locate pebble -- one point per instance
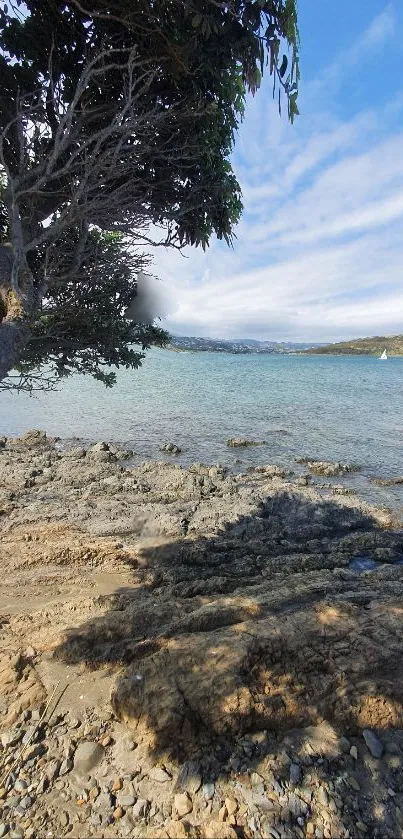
(322, 796)
(353, 783)
(64, 818)
(183, 804)
(25, 802)
(20, 785)
(345, 745)
(354, 752)
(231, 806)
(140, 808)
(373, 743)
(117, 785)
(125, 800)
(295, 773)
(66, 766)
(159, 775)
(3, 792)
(52, 770)
(118, 813)
(208, 791)
(11, 737)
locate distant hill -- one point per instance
(362, 346)
(242, 346)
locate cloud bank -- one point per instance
(319, 249)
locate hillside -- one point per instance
(362, 346)
(242, 346)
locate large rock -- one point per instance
(87, 756)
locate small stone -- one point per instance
(344, 745)
(118, 813)
(322, 796)
(26, 802)
(88, 754)
(373, 743)
(3, 792)
(189, 778)
(295, 773)
(391, 792)
(93, 793)
(52, 770)
(208, 791)
(231, 806)
(353, 783)
(3, 829)
(117, 785)
(20, 785)
(66, 766)
(11, 737)
(354, 752)
(222, 813)
(106, 741)
(159, 775)
(140, 808)
(125, 799)
(361, 826)
(183, 804)
(64, 818)
(310, 829)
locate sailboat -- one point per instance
(384, 356)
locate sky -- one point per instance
(319, 249)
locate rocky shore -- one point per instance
(190, 653)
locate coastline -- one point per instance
(215, 621)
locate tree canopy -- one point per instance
(118, 119)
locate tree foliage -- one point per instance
(119, 117)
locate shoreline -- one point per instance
(215, 640)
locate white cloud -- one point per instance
(320, 246)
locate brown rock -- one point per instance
(182, 804)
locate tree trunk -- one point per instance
(14, 311)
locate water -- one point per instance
(332, 408)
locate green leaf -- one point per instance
(284, 65)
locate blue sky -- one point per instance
(319, 249)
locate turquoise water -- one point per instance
(332, 408)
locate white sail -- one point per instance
(384, 356)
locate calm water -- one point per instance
(333, 408)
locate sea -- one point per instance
(337, 408)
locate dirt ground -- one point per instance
(211, 618)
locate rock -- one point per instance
(87, 755)
(52, 770)
(170, 448)
(66, 766)
(20, 785)
(159, 775)
(231, 806)
(182, 804)
(117, 784)
(11, 737)
(34, 437)
(208, 791)
(354, 752)
(322, 796)
(125, 799)
(25, 802)
(373, 743)
(353, 783)
(64, 818)
(140, 808)
(118, 813)
(189, 778)
(3, 829)
(241, 442)
(345, 745)
(295, 773)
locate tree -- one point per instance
(124, 122)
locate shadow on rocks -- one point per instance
(258, 657)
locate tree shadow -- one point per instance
(258, 647)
